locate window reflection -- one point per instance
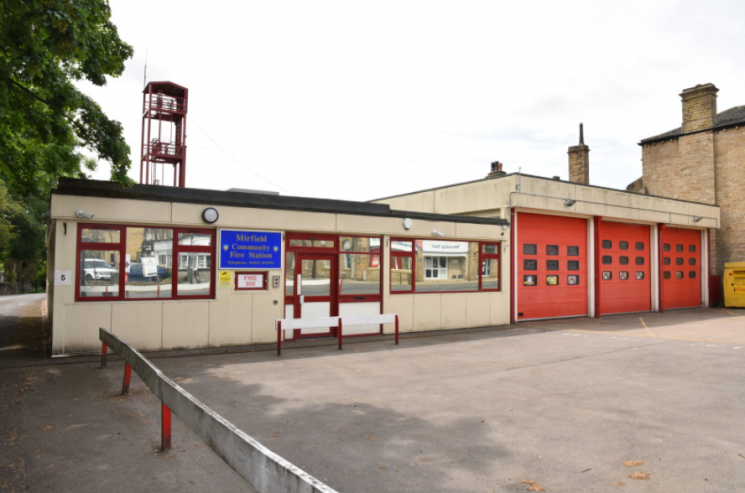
(359, 274)
(194, 277)
(99, 273)
(447, 266)
(148, 263)
(401, 274)
(490, 274)
(195, 239)
(290, 274)
(100, 235)
(352, 244)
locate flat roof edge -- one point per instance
(158, 193)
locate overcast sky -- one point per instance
(361, 100)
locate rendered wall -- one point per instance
(244, 317)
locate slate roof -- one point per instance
(733, 116)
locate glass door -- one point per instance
(317, 291)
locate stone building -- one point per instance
(703, 161)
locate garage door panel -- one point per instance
(552, 266)
(681, 267)
(625, 268)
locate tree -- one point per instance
(45, 121)
(45, 46)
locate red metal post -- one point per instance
(340, 326)
(165, 429)
(127, 377)
(104, 352)
(397, 330)
(513, 274)
(661, 291)
(279, 338)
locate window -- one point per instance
(529, 249)
(639, 275)
(639, 246)
(552, 265)
(666, 260)
(359, 270)
(692, 248)
(573, 251)
(691, 261)
(312, 242)
(623, 275)
(552, 280)
(623, 245)
(441, 266)
(666, 247)
(289, 273)
(639, 260)
(607, 259)
(529, 280)
(327, 264)
(679, 274)
(691, 274)
(552, 249)
(573, 265)
(573, 280)
(607, 275)
(678, 261)
(136, 263)
(678, 248)
(530, 264)
(666, 274)
(623, 260)
(607, 244)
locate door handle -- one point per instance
(302, 300)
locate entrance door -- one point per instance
(317, 292)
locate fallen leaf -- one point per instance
(170, 456)
(621, 483)
(145, 423)
(639, 475)
(372, 439)
(527, 481)
(142, 415)
(383, 467)
(535, 487)
(47, 428)
(633, 463)
(192, 482)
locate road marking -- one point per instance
(731, 313)
(645, 326)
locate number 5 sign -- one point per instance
(63, 278)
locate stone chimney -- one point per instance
(579, 160)
(699, 107)
(496, 170)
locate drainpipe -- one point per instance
(598, 268)
(660, 230)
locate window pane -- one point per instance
(99, 274)
(194, 274)
(607, 259)
(639, 275)
(678, 248)
(607, 275)
(573, 251)
(490, 274)
(195, 239)
(623, 245)
(312, 243)
(352, 244)
(529, 249)
(529, 280)
(692, 248)
(639, 246)
(552, 280)
(623, 275)
(401, 246)
(679, 274)
(639, 261)
(666, 274)
(289, 273)
(315, 277)
(678, 261)
(666, 247)
(666, 260)
(400, 273)
(552, 249)
(359, 274)
(552, 265)
(573, 280)
(691, 261)
(455, 266)
(148, 263)
(573, 265)
(530, 264)
(491, 248)
(623, 260)
(691, 274)
(89, 235)
(607, 244)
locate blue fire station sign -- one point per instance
(250, 249)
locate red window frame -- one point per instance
(346, 298)
(413, 256)
(121, 248)
(263, 284)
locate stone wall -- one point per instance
(729, 146)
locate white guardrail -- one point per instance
(321, 322)
(264, 470)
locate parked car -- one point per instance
(136, 273)
(97, 269)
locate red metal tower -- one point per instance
(164, 106)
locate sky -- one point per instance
(361, 100)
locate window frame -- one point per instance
(414, 265)
(121, 248)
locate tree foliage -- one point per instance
(46, 46)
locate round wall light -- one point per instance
(210, 215)
(408, 223)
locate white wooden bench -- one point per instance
(320, 322)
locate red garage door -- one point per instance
(681, 268)
(625, 281)
(552, 266)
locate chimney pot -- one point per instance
(496, 170)
(699, 107)
(579, 160)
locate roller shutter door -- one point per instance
(625, 280)
(681, 268)
(552, 266)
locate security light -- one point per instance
(437, 233)
(408, 223)
(697, 219)
(569, 202)
(210, 215)
(84, 214)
